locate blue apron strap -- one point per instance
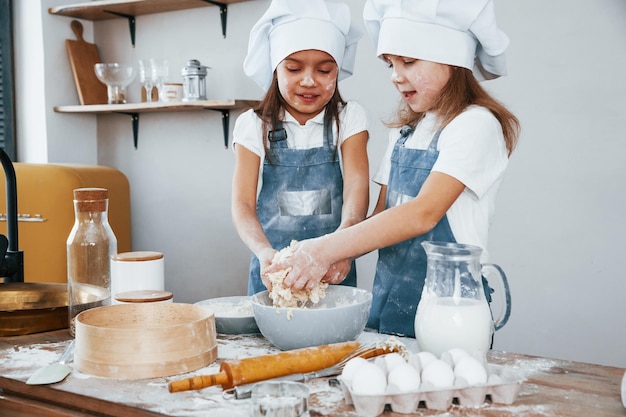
(277, 136)
(329, 142)
(405, 133)
(433, 143)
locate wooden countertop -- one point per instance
(551, 387)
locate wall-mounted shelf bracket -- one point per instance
(225, 120)
(134, 109)
(135, 120)
(131, 23)
(223, 14)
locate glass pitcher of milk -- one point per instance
(453, 311)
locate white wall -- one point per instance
(43, 79)
(560, 224)
(560, 212)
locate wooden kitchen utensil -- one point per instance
(259, 368)
(83, 56)
(366, 352)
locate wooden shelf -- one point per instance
(129, 9)
(158, 106)
(106, 9)
(134, 109)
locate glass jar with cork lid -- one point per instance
(90, 246)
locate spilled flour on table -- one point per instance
(530, 367)
(525, 410)
(25, 359)
(326, 399)
(244, 347)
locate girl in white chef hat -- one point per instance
(301, 166)
(447, 153)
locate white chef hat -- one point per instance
(462, 33)
(289, 26)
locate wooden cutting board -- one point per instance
(83, 56)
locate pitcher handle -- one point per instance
(499, 323)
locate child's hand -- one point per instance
(307, 269)
(337, 272)
(265, 260)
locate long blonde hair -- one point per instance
(463, 90)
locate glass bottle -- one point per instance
(90, 246)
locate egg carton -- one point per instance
(504, 392)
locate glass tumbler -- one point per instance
(146, 80)
(280, 399)
(160, 74)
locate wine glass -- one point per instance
(160, 73)
(146, 80)
(116, 77)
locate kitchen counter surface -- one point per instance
(551, 387)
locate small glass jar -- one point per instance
(90, 245)
(280, 398)
(194, 81)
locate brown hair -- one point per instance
(463, 90)
(271, 109)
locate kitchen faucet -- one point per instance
(11, 258)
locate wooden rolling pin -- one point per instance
(260, 368)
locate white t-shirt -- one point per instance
(249, 129)
(472, 150)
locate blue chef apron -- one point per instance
(401, 268)
(301, 196)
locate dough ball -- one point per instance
(284, 297)
(369, 379)
(438, 374)
(403, 378)
(351, 367)
(471, 370)
(453, 356)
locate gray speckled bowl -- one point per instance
(339, 317)
(233, 315)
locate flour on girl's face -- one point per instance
(426, 85)
(418, 81)
(307, 81)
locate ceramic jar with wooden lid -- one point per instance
(137, 271)
(144, 296)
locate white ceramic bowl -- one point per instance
(233, 315)
(339, 317)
